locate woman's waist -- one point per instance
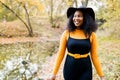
(78, 51)
(78, 55)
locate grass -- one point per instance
(108, 52)
(38, 50)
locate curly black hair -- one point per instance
(89, 24)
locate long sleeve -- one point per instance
(94, 55)
(61, 52)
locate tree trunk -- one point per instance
(51, 13)
(71, 3)
(27, 26)
(84, 2)
(76, 4)
(29, 23)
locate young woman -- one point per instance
(80, 40)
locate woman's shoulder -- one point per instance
(93, 35)
(66, 32)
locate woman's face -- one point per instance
(78, 19)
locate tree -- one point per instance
(76, 3)
(109, 10)
(113, 7)
(51, 13)
(29, 24)
(24, 5)
(70, 2)
(54, 10)
(84, 2)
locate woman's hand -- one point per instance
(52, 77)
(102, 78)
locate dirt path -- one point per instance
(47, 68)
(19, 39)
(25, 39)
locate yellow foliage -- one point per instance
(2, 1)
(69, 2)
(36, 6)
(22, 1)
(32, 2)
(112, 9)
(1, 9)
(36, 3)
(113, 4)
(40, 7)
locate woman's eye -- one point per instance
(78, 16)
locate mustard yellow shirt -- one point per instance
(78, 34)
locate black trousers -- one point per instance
(77, 69)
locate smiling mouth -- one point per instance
(77, 22)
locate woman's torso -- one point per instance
(78, 43)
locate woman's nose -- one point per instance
(76, 17)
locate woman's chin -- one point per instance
(77, 25)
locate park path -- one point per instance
(47, 68)
(19, 39)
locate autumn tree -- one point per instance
(54, 10)
(84, 2)
(110, 9)
(76, 3)
(26, 5)
(70, 2)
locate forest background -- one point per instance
(30, 31)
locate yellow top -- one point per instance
(78, 34)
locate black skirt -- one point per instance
(77, 69)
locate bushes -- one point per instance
(112, 28)
(7, 15)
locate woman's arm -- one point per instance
(61, 52)
(94, 55)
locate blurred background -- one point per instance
(30, 31)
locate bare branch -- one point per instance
(28, 20)
(16, 15)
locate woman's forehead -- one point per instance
(78, 12)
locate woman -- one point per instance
(81, 44)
